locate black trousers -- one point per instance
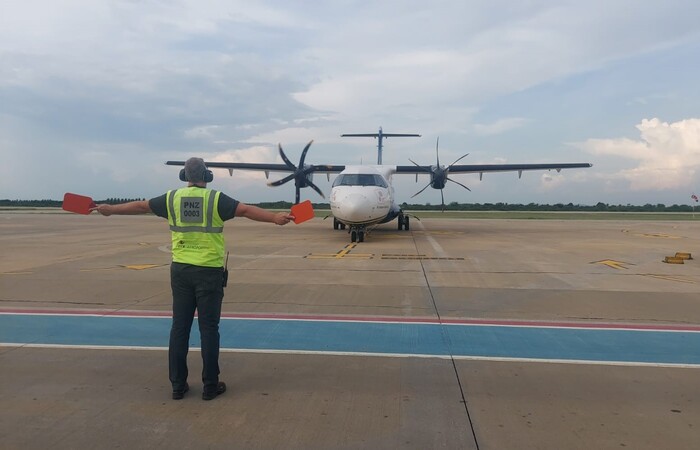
(195, 288)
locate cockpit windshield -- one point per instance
(359, 179)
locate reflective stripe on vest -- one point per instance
(196, 227)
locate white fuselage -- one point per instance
(363, 195)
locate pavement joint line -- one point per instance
(446, 336)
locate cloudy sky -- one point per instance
(96, 96)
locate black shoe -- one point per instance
(179, 394)
(210, 395)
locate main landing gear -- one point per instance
(358, 232)
(403, 222)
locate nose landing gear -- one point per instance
(357, 234)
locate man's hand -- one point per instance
(283, 218)
(104, 209)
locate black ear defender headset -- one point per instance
(208, 176)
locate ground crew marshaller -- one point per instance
(196, 216)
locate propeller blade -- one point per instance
(299, 174)
(442, 197)
(457, 182)
(282, 180)
(426, 187)
(315, 188)
(437, 153)
(303, 153)
(418, 165)
(284, 157)
(457, 160)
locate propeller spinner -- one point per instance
(300, 175)
(438, 175)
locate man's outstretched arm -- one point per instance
(137, 207)
(262, 215)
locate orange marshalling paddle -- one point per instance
(302, 211)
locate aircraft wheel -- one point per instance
(400, 219)
(405, 223)
(342, 226)
(360, 236)
(336, 224)
(353, 236)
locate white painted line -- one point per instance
(107, 314)
(83, 347)
(438, 249)
(363, 354)
(579, 361)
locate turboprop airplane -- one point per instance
(362, 196)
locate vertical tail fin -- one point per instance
(380, 136)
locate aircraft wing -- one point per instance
(482, 168)
(301, 175)
(264, 167)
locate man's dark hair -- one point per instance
(195, 169)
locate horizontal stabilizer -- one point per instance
(374, 135)
(379, 136)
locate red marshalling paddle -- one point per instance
(77, 203)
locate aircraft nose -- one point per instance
(357, 208)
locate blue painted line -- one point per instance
(84, 330)
(492, 341)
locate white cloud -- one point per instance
(84, 84)
(243, 178)
(108, 163)
(667, 156)
(499, 126)
(255, 153)
(206, 132)
(551, 182)
(464, 53)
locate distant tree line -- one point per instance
(600, 206)
(454, 206)
(59, 203)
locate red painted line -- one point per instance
(85, 312)
(331, 318)
(383, 319)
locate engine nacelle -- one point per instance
(305, 181)
(438, 177)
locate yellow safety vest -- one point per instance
(197, 229)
